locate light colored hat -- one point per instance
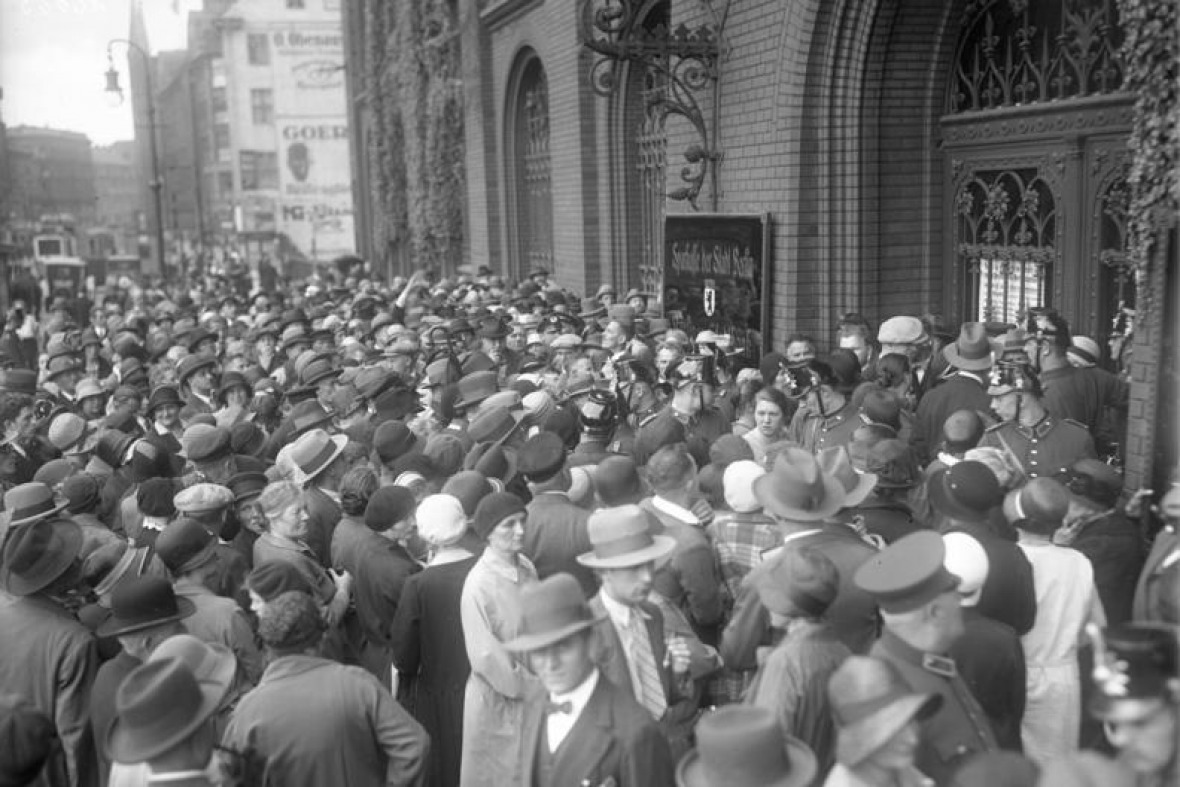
(441, 520)
(314, 451)
(1083, 352)
(966, 559)
(202, 497)
(902, 330)
(538, 406)
(738, 482)
(871, 703)
(622, 538)
(67, 432)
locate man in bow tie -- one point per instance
(582, 729)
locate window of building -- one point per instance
(262, 106)
(221, 136)
(218, 100)
(295, 4)
(257, 49)
(260, 170)
(533, 203)
(225, 183)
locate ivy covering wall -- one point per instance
(415, 99)
(1151, 54)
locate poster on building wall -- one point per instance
(309, 71)
(315, 190)
(717, 276)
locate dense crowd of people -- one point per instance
(474, 532)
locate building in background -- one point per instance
(51, 183)
(255, 153)
(120, 216)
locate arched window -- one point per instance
(531, 209)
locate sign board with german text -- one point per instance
(717, 276)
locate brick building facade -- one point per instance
(965, 159)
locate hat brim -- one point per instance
(57, 507)
(945, 504)
(661, 546)
(319, 378)
(865, 484)
(834, 499)
(955, 359)
(690, 772)
(527, 643)
(113, 627)
(123, 745)
(465, 403)
(198, 367)
(63, 558)
(340, 441)
(856, 742)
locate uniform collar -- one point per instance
(1039, 429)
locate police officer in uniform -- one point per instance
(827, 417)
(1041, 444)
(693, 387)
(920, 608)
(599, 417)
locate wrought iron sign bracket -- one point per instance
(687, 60)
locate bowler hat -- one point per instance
(550, 611)
(744, 746)
(966, 492)
(622, 538)
(541, 457)
(871, 702)
(190, 364)
(30, 503)
(836, 463)
(972, 351)
(392, 440)
(908, 573)
(163, 395)
(143, 602)
(313, 452)
(185, 545)
(475, 387)
(493, 510)
(796, 488)
(157, 707)
(617, 481)
(37, 554)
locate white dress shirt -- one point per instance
(558, 725)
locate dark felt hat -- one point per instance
(246, 437)
(154, 497)
(388, 506)
(475, 387)
(27, 739)
(190, 364)
(494, 424)
(163, 395)
(159, 705)
(20, 381)
(541, 457)
(393, 439)
(493, 460)
(142, 602)
(494, 509)
(468, 487)
(271, 580)
(617, 481)
(966, 492)
(37, 554)
(185, 545)
(209, 445)
(247, 485)
(82, 492)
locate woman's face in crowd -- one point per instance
(92, 407)
(237, 397)
(769, 418)
(507, 538)
(167, 415)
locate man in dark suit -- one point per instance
(633, 649)
(582, 729)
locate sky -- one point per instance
(53, 61)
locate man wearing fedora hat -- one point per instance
(877, 716)
(195, 376)
(320, 465)
(165, 719)
(582, 729)
(144, 612)
(1135, 693)
(44, 651)
(922, 618)
(743, 746)
(632, 650)
(963, 388)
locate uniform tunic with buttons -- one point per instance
(1049, 448)
(815, 432)
(960, 728)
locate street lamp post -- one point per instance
(156, 183)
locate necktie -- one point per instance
(650, 691)
(559, 707)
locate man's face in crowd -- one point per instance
(493, 348)
(563, 666)
(1006, 406)
(628, 585)
(665, 358)
(92, 407)
(324, 344)
(799, 352)
(1145, 733)
(613, 336)
(201, 380)
(856, 342)
(516, 340)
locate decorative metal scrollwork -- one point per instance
(1015, 53)
(686, 58)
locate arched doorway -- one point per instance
(529, 171)
(1034, 134)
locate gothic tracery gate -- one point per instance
(1034, 137)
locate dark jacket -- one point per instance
(554, 535)
(1008, 594)
(614, 741)
(960, 391)
(990, 659)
